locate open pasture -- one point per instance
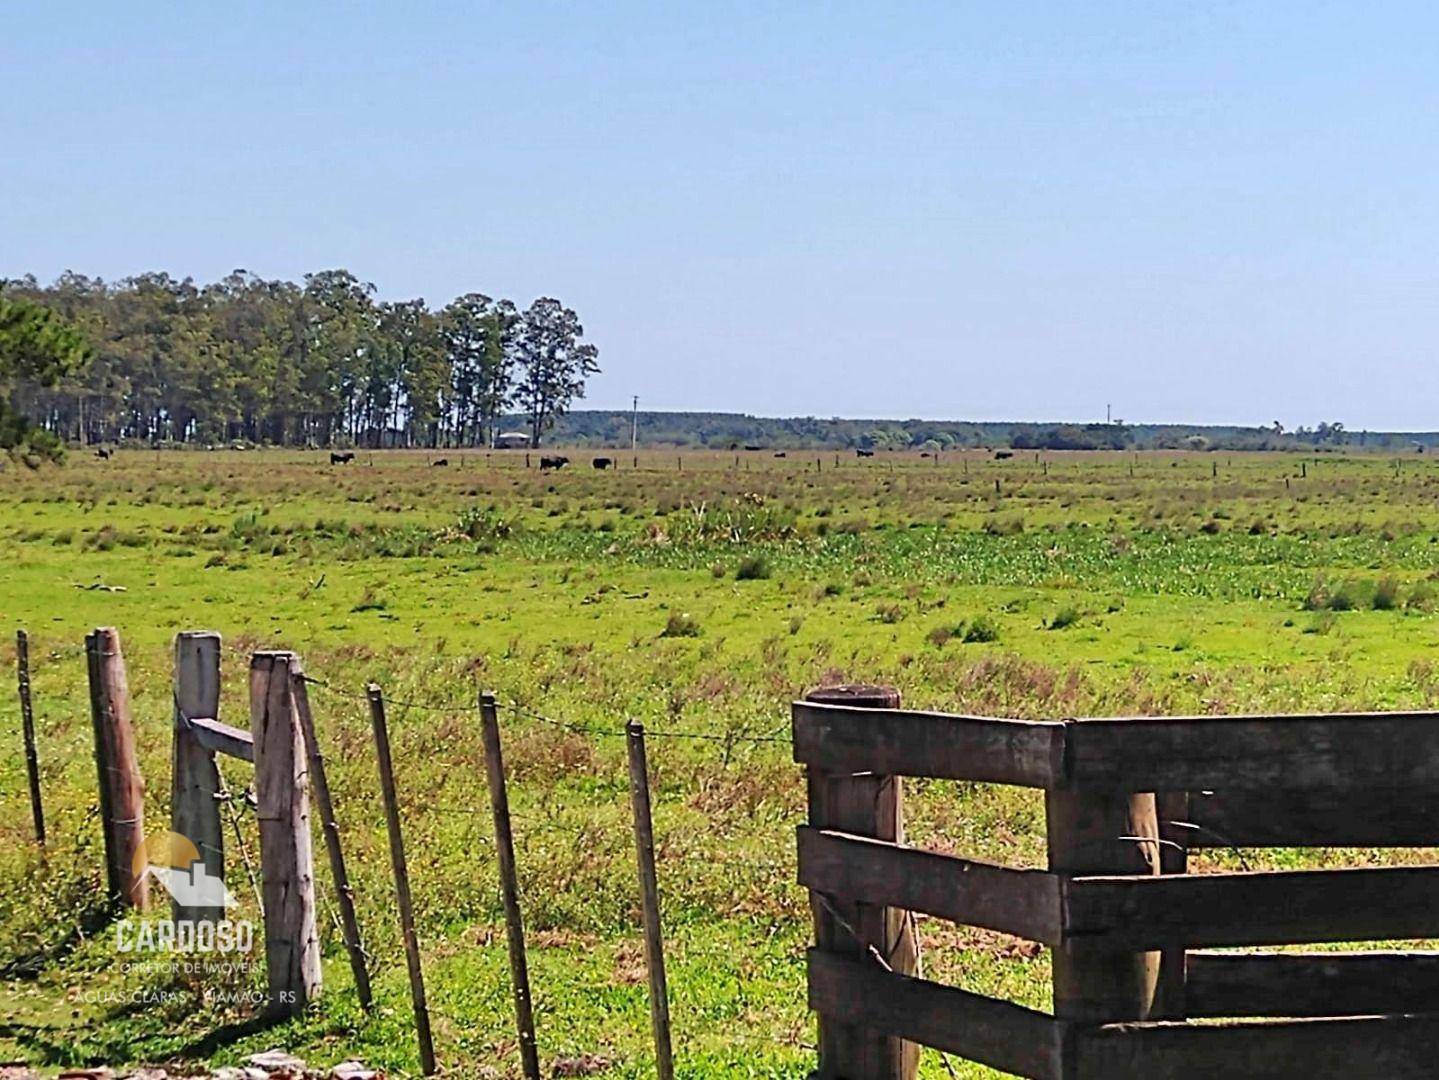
(698, 593)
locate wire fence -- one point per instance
(235, 802)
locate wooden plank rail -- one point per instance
(1264, 753)
(844, 739)
(1309, 984)
(1020, 902)
(1271, 908)
(222, 738)
(1367, 817)
(995, 1033)
(1355, 1048)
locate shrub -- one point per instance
(939, 636)
(753, 568)
(1010, 525)
(889, 613)
(681, 624)
(1064, 618)
(1386, 594)
(1343, 599)
(483, 524)
(981, 629)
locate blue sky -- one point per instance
(1196, 212)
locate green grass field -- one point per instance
(699, 594)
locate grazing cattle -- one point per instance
(779, 453)
(1002, 454)
(751, 446)
(103, 454)
(864, 453)
(439, 463)
(341, 459)
(602, 462)
(553, 463)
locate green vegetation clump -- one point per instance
(1064, 618)
(681, 625)
(753, 568)
(981, 629)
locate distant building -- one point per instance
(512, 440)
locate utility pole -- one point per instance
(1107, 419)
(635, 424)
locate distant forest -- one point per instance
(319, 363)
(165, 361)
(725, 430)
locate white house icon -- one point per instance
(195, 887)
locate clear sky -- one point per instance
(1196, 212)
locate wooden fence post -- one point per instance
(865, 805)
(195, 783)
(122, 791)
(509, 887)
(282, 794)
(27, 719)
(344, 895)
(650, 898)
(402, 878)
(1096, 833)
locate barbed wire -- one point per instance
(650, 733)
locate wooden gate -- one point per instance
(1128, 927)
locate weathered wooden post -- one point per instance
(122, 791)
(1103, 832)
(402, 878)
(282, 793)
(650, 898)
(872, 805)
(195, 783)
(344, 895)
(27, 720)
(509, 887)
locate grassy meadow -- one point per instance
(700, 594)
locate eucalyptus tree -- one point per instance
(553, 363)
(314, 363)
(479, 337)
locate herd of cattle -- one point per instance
(547, 463)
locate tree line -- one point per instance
(319, 363)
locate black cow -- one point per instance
(439, 463)
(553, 463)
(864, 453)
(103, 454)
(779, 453)
(602, 462)
(341, 459)
(1002, 455)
